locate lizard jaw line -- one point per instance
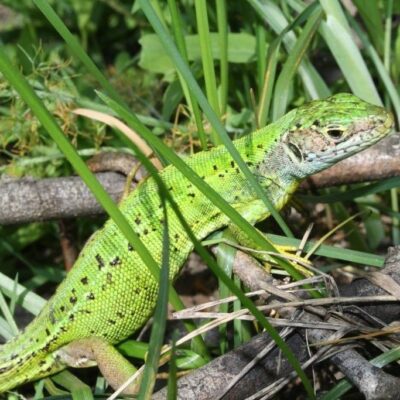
(331, 156)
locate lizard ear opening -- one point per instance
(295, 151)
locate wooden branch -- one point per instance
(29, 200)
(211, 380)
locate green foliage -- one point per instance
(153, 57)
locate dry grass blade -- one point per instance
(253, 362)
(297, 303)
(387, 330)
(225, 300)
(274, 388)
(384, 281)
(125, 129)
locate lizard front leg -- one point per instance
(251, 212)
(93, 351)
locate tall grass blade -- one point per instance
(212, 117)
(223, 45)
(291, 65)
(272, 61)
(17, 80)
(371, 15)
(160, 314)
(270, 12)
(337, 35)
(207, 58)
(176, 23)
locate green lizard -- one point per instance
(110, 293)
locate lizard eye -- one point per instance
(335, 133)
(296, 151)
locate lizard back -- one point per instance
(110, 293)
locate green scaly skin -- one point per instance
(110, 293)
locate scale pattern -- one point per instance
(110, 293)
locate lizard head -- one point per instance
(323, 132)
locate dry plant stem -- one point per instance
(249, 271)
(371, 381)
(209, 381)
(26, 200)
(275, 387)
(283, 334)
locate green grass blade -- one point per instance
(355, 238)
(7, 314)
(347, 255)
(269, 80)
(337, 35)
(5, 331)
(207, 58)
(354, 193)
(354, 256)
(212, 117)
(383, 73)
(29, 301)
(291, 65)
(223, 45)
(261, 56)
(338, 391)
(78, 389)
(176, 23)
(270, 12)
(273, 57)
(17, 80)
(388, 35)
(372, 17)
(160, 314)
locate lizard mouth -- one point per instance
(372, 131)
